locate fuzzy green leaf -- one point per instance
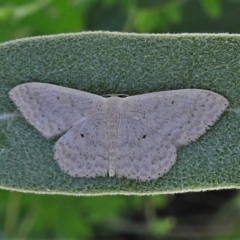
(104, 62)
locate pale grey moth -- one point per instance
(134, 137)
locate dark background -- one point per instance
(203, 215)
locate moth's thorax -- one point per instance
(114, 106)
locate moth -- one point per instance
(135, 137)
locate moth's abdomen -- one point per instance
(113, 116)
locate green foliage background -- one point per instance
(39, 216)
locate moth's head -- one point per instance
(115, 95)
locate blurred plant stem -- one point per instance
(132, 10)
(149, 211)
(12, 213)
(16, 226)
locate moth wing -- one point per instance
(181, 115)
(52, 109)
(83, 150)
(142, 152)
